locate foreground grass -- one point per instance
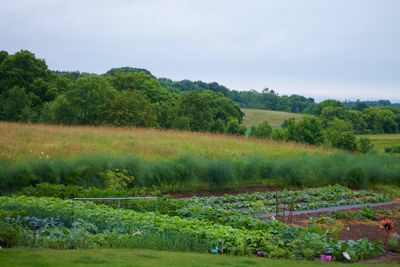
(381, 141)
(274, 118)
(130, 257)
(31, 141)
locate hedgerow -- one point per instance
(189, 172)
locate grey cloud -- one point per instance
(341, 49)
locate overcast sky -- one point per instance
(339, 49)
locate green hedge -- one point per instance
(187, 172)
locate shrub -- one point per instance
(279, 134)
(9, 234)
(219, 173)
(392, 149)
(235, 128)
(355, 178)
(365, 145)
(261, 130)
(342, 140)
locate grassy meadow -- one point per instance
(381, 141)
(274, 118)
(33, 141)
(138, 257)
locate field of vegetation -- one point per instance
(382, 141)
(67, 135)
(32, 141)
(254, 117)
(228, 224)
(174, 160)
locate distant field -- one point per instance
(274, 118)
(381, 141)
(25, 141)
(138, 257)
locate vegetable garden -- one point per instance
(228, 224)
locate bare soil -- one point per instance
(363, 229)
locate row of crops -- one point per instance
(245, 210)
(229, 222)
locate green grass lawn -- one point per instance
(274, 118)
(381, 141)
(134, 257)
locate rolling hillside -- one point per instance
(274, 118)
(24, 141)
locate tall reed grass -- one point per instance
(191, 172)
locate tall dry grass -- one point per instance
(33, 141)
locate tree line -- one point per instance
(335, 125)
(266, 99)
(30, 92)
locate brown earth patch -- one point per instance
(363, 229)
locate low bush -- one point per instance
(392, 149)
(394, 243)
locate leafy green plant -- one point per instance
(394, 243)
(366, 213)
(9, 234)
(83, 224)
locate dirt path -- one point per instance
(335, 208)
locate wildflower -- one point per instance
(387, 226)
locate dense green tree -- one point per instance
(342, 140)
(360, 106)
(25, 84)
(209, 111)
(308, 130)
(140, 81)
(223, 108)
(280, 134)
(18, 105)
(317, 109)
(114, 71)
(165, 103)
(329, 113)
(267, 99)
(357, 120)
(131, 108)
(86, 102)
(24, 70)
(197, 107)
(218, 126)
(58, 111)
(339, 125)
(181, 123)
(3, 55)
(235, 128)
(261, 130)
(167, 110)
(380, 120)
